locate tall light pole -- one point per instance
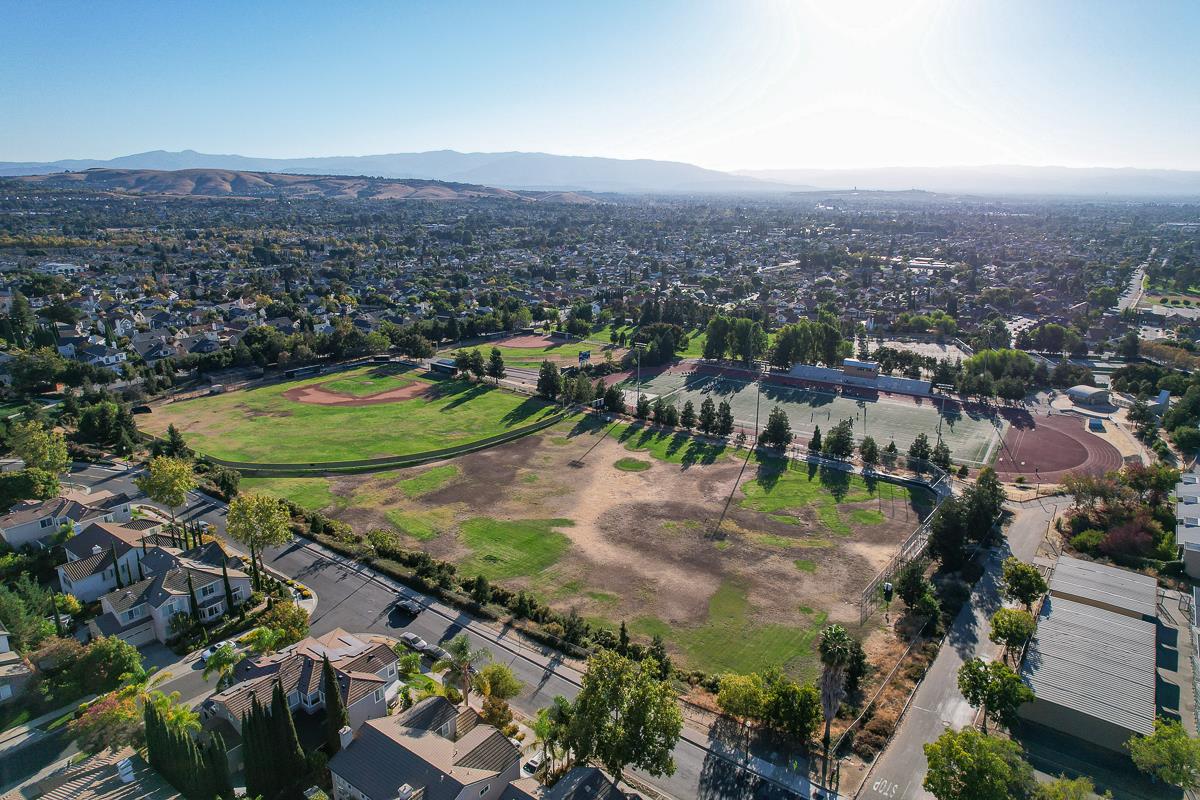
(637, 349)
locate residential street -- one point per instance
(900, 769)
(358, 600)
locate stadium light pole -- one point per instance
(637, 348)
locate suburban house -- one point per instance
(142, 611)
(432, 751)
(14, 672)
(90, 571)
(366, 675)
(35, 522)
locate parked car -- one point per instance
(534, 763)
(406, 604)
(207, 652)
(435, 652)
(414, 641)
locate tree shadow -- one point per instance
(835, 481)
(527, 409)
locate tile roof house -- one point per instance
(34, 522)
(143, 611)
(366, 674)
(431, 752)
(90, 571)
(108, 775)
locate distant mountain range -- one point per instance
(546, 172)
(533, 171)
(1000, 180)
(240, 183)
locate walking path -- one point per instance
(899, 771)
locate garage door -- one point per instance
(143, 634)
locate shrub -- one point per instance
(1127, 541)
(1088, 541)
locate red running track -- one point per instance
(1053, 447)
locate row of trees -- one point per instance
(197, 771)
(275, 765)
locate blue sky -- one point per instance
(740, 84)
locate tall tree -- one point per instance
(1021, 582)
(495, 366)
(258, 521)
(287, 758)
(993, 687)
(624, 716)
(836, 649)
(168, 480)
(1168, 754)
(336, 717)
(779, 429)
(461, 661)
(969, 765)
(38, 447)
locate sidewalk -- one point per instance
(20, 735)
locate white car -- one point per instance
(414, 641)
(534, 763)
(208, 652)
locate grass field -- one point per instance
(559, 352)
(311, 494)
(263, 425)
(371, 382)
(619, 522)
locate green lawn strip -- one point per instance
(804, 565)
(420, 683)
(631, 465)
(672, 446)
(311, 494)
(420, 525)
(506, 549)
(428, 481)
(262, 425)
(730, 640)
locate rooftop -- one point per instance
(1097, 662)
(1100, 584)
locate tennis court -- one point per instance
(971, 435)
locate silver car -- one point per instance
(414, 641)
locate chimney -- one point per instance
(404, 792)
(345, 736)
(97, 549)
(125, 770)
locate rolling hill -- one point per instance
(238, 183)
(515, 170)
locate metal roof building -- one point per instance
(1093, 671)
(1118, 590)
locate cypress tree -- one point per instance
(228, 588)
(58, 629)
(117, 567)
(256, 753)
(192, 596)
(336, 717)
(216, 768)
(288, 758)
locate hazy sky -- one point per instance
(728, 85)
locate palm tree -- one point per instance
(460, 662)
(550, 727)
(223, 662)
(836, 650)
(264, 640)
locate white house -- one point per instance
(143, 611)
(93, 557)
(36, 521)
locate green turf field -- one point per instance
(532, 357)
(970, 436)
(262, 425)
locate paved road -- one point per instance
(1133, 292)
(938, 704)
(358, 600)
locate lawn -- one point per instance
(311, 494)
(730, 640)
(263, 425)
(504, 549)
(781, 486)
(631, 465)
(532, 357)
(428, 481)
(363, 385)
(672, 446)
